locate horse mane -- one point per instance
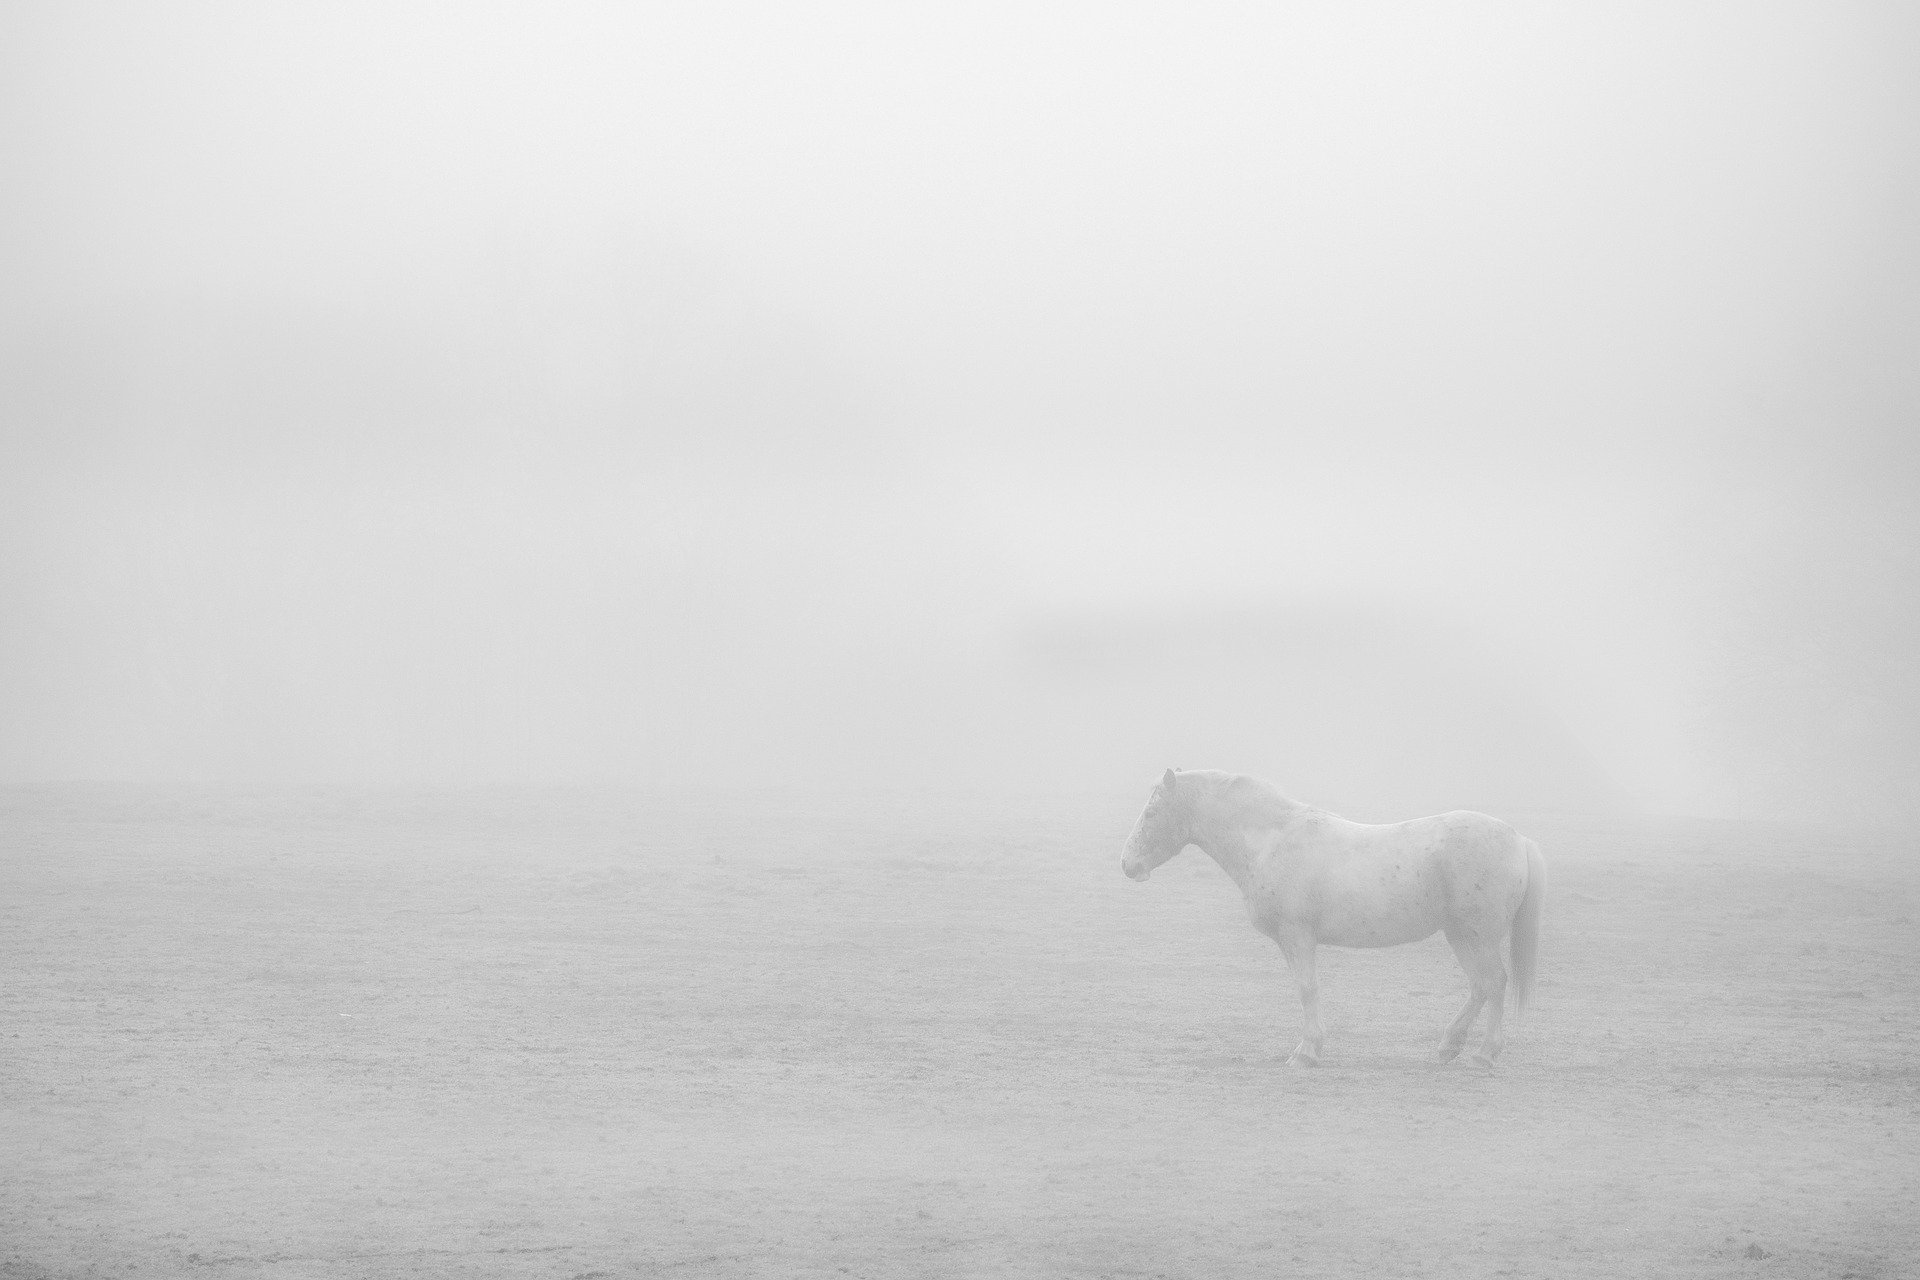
(1244, 795)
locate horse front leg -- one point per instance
(1299, 952)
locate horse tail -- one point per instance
(1526, 927)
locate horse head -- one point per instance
(1161, 831)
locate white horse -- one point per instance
(1310, 877)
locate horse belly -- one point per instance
(1383, 911)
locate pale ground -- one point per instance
(583, 1037)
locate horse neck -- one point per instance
(1216, 833)
(1216, 828)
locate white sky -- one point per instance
(556, 392)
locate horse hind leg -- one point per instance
(1487, 985)
(1495, 978)
(1455, 1035)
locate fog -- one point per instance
(1422, 408)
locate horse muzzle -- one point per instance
(1135, 871)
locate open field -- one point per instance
(553, 1036)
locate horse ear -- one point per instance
(1167, 781)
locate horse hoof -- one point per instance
(1299, 1059)
(1441, 1057)
(1481, 1060)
